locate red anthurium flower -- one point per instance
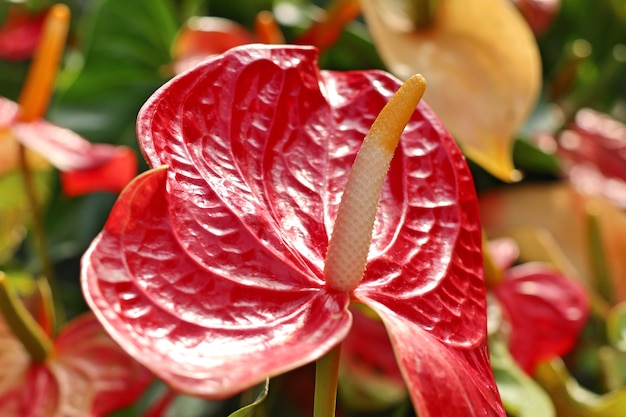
(211, 269)
(87, 375)
(20, 33)
(546, 310)
(204, 36)
(85, 167)
(538, 13)
(593, 152)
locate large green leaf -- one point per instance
(126, 45)
(127, 49)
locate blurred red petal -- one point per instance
(375, 356)
(593, 152)
(112, 175)
(547, 312)
(204, 36)
(538, 13)
(20, 33)
(86, 375)
(86, 167)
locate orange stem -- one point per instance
(324, 33)
(37, 89)
(267, 30)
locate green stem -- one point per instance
(597, 255)
(610, 71)
(22, 324)
(39, 233)
(421, 12)
(326, 376)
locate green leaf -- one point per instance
(529, 158)
(261, 393)
(572, 400)
(15, 213)
(128, 49)
(521, 396)
(616, 326)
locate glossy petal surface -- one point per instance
(547, 312)
(88, 375)
(482, 65)
(209, 269)
(199, 328)
(89, 167)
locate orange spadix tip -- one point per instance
(392, 119)
(35, 94)
(352, 233)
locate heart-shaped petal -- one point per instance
(210, 267)
(201, 330)
(482, 65)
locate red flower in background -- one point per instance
(546, 310)
(20, 33)
(538, 13)
(85, 167)
(86, 375)
(210, 267)
(593, 154)
(202, 37)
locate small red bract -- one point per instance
(85, 167)
(210, 267)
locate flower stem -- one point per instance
(33, 102)
(39, 232)
(324, 33)
(22, 324)
(326, 377)
(352, 233)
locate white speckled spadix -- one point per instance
(352, 233)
